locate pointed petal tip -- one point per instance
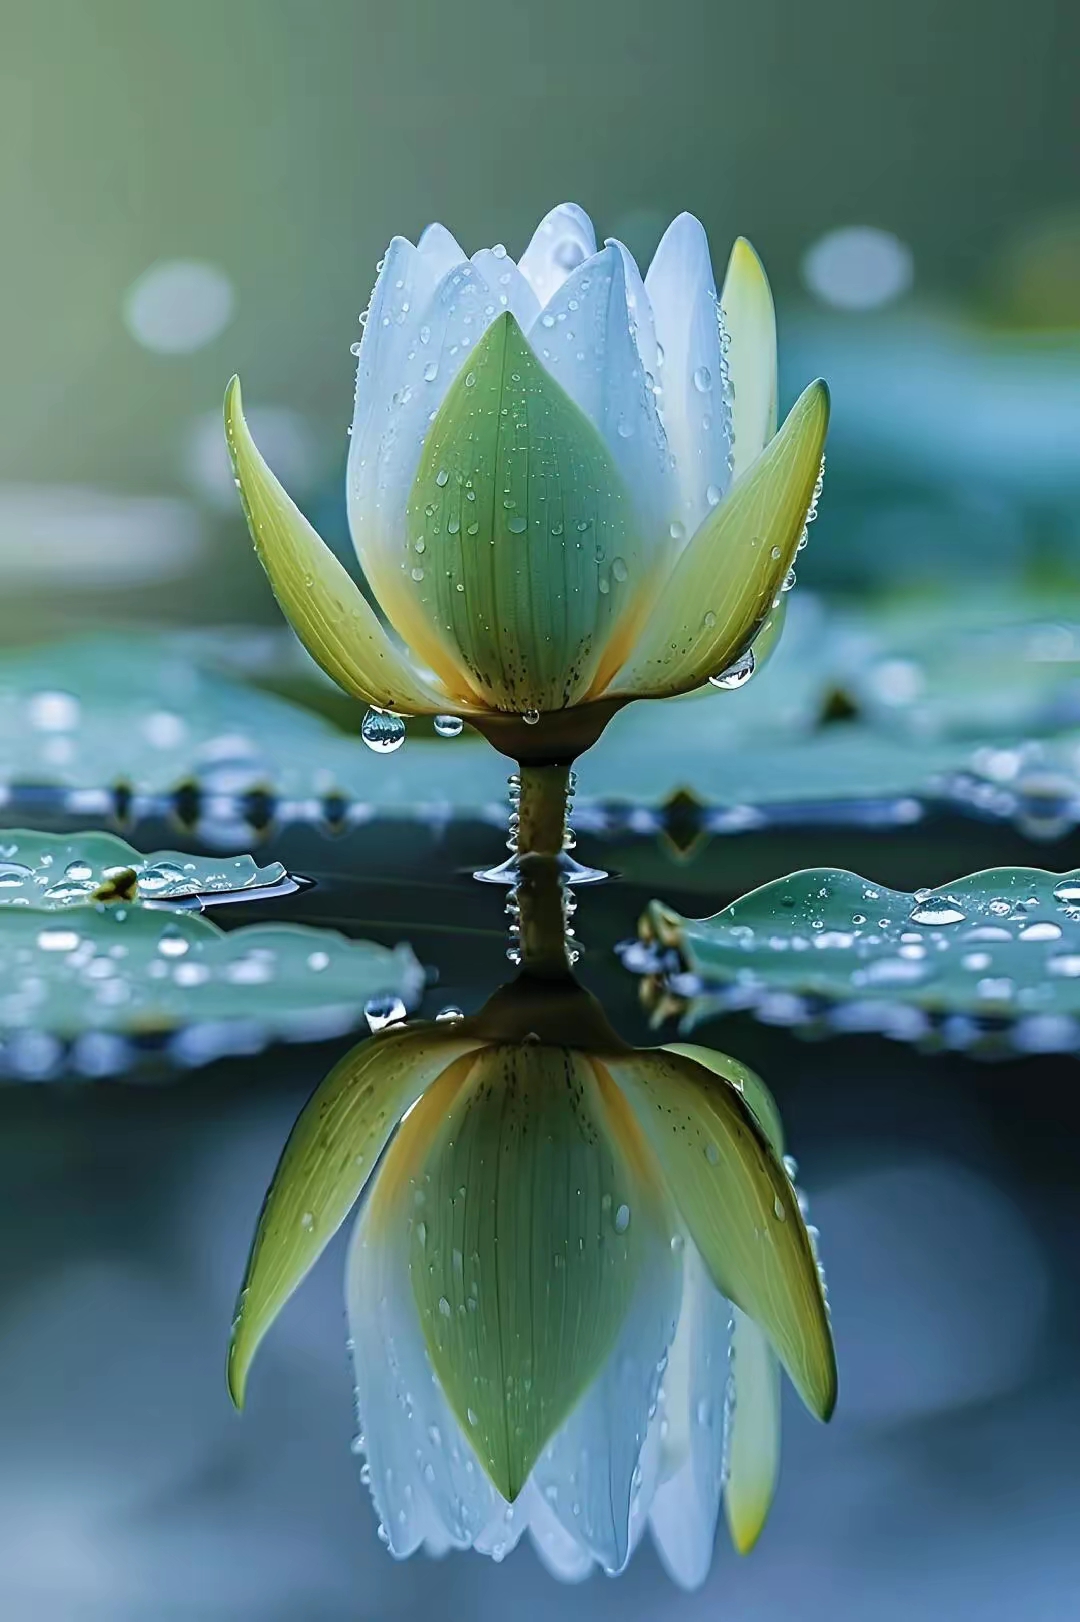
(236, 1373)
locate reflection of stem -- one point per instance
(540, 898)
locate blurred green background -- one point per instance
(279, 145)
(188, 191)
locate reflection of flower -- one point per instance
(568, 1287)
(564, 485)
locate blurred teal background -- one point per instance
(279, 146)
(188, 191)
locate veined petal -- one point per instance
(750, 321)
(589, 1472)
(747, 1082)
(754, 1446)
(562, 241)
(694, 402)
(525, 550)
(330, 1154)
(686, 1505)
(726, 582)
(441, 248)
(321, 601)
(739, 1207)
(512, 292)
(584, 339)
(424, 1478)
(387, 449)
(534, 1234)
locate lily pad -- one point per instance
(49, 871)
(88, 990)
(991, 961)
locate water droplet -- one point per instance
(307, 1220)
(713, 495)
(619, 570)
(1065, 964)
(382, 1011)
(676, 530)
(448, 1015)
(622, 1219)
(703, 380)
(442, 478)
(999, 907)
(1041, 932)
(939, 912)
(448, 726)
(354, 349)
(1067, 890)
(57, 940)
(78, 871)
(976, 962)
(530, 717)
(569, 254)
(382, 732)
(418, 575)
(737, 674)
(470, 1415)
(779, 1209)
(172, 944)
(444, 1306)
(317, 961)
(625, 430)
(712, 1154)
(789, 581)
(517, 525)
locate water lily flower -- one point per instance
(575, 1275)
(565, 485)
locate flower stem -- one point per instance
(541, 810)
(540, 893)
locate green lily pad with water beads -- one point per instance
(49, 871)
(995, 954)
(107, 979)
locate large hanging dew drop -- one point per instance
(1067, 890)
(382, 1011)
(737, 674)
(382, 732)
(448, 726)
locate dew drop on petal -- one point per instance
(703, 380)
(737, 674)
(448, 726)
(382, 732)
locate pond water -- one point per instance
(944, 1190)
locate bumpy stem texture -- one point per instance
(540, 894)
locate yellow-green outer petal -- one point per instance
(753, 1447)
(319, 598)
(745, 1081)
(753, 1461)
(522, 542)
(530, 1237)
(739, 1207)
(750, 321)
(726, 580)
(328, 1158)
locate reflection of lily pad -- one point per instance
(996, 952)
(53, 870)
(112, 978)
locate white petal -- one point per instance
(642, 324)
(562, 241)
(441, 248)
(685, 1509)
(403, 287)
(694, 403)
(588, 1473)
(509, 286)
(562, 1554)
(425, 1481)
(583, 338)
(387, 439)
